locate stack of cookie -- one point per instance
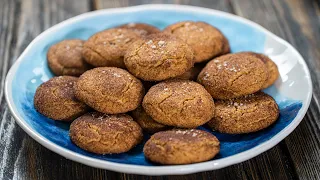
(136, 78)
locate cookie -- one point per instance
(105, 134)
(65, 58)
(233, 75)
(109, 90)
(146, 122)
(246, 114)
(206, 40)
(141, 28)
(107, 48)
(55, 99)
(158, 57)
(273, 72)
(181, 147)
(179, 103)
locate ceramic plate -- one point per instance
(292, 90)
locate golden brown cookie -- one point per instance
(65, 58)
(181, 146)
(233, 75)
(105, 134)
(109, 90)
(226, 46)
(56, 100)
(179, 103)
(246, 114)
(107, 48)
(206, 40)
(273, 72)
(146, 122)
(158, 57)
(141, 28)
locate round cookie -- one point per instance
(206, 40)
(272, 68)
(55, 99)
(179, 103)
(141, 28)
(146, 122)
(65, 58)
(109, 90)
(233, 75)
(105, 134)
(158, 57)
(181, 146)
(107, 48)
(246, 114)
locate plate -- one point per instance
(292, 90)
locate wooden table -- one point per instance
(297, 21)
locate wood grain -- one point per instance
(214, 4)
(294, 20)
(7, 124)
(304, 144)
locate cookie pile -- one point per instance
(136, 78)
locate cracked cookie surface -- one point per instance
(141, 28)
(181, 146)
(206, 40)
(233, 75)
(146, 122)
(55, 99)
(65, 58)
(105, 134)
(107, 48)
(179, 103)
(158, 57)
(109, 90)
(246, 114)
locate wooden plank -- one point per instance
(214, 4)
(297, 22)
(303, 21)
(274, 164)
(7, 26)
(20, 156)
